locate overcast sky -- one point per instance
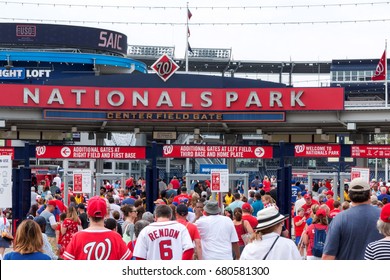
(266, 32)
(314, 41)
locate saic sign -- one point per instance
(110, 40)
(22, 73)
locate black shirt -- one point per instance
(84, 220)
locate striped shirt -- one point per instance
(378, 250)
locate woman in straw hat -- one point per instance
(267, 243)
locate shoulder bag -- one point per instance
(246, 236)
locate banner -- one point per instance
(90, 152)
(370, 151)
(82, 181)
(7, 151)
(206, 151)
(313, 150)
(172, 99)
(5, 181)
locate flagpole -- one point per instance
(186, 54)
(386, 90)
(386, 105)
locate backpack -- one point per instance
(319, 242)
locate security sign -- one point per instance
(219, 180)
(82, 181)
(165, 67)
(216, 181)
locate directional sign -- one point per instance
(90, 152)
(7, 151)
(215, 151)
(370, 151)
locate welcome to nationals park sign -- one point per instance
(171, 99)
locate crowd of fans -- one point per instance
(191, 222)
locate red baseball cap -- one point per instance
(247, 207)
(52, 203)
(330, 193)
(307, 196)
(159, 202)
(97, 207)
(321, 213)
(385, 213)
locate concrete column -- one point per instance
(168, 163)
(140, 139)
(99, 142)
(362, 162)
(230, 139)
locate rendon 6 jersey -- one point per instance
(163, 241)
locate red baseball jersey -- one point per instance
(163, 241)
(97, 245)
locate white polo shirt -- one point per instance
(217, 233)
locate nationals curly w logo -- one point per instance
(98, 250)
(299, 149)
(167, 150)
(40, 150)
(165, 67)
(380, 69)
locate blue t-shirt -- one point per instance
(294, 193)
(350, 232)
(15, 256)
(257, 205)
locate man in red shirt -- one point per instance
(181, 217)
(60, 205)
(336, 210)
(175, 183)
(97, 242)
(307, 206)
(182, 196)
(266, 184)
(129, 182)
(247, 215)
(330, 200)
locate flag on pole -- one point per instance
(380, 71)
(189, 14)
(189, 48)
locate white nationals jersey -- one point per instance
(97, 245)
(163, 241)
